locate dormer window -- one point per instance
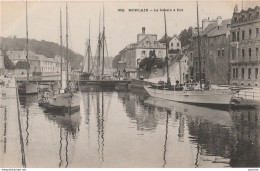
(243, 17)
(250, 15)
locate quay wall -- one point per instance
(12, 140)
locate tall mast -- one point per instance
(99, 42)
(103, 43)
(27, 42)
(165, 37)
(199, 43)
(89, 49)
(60, 47)
(67, 46)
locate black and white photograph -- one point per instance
(129, 84)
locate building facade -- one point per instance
(214, 52)
(146, 43)
(217, 69)
(245, 45)
(38, 63)
(174, 43)
(194, 64)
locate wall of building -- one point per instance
(245, 47)
(174, 44)
(218, 60)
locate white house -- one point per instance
(175, 43)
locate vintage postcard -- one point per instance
(130, 84)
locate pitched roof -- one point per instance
(222, 29)
(208, 29)
(168, 39)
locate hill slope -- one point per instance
(48, 49)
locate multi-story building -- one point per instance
(207, 27)
(214, 51)
(38, 63)
(217, 66)
(245, 45)
(146, 43)
(174, 43)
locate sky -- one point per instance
(121, 26)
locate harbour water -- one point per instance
(130, 129)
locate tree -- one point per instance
(22, 65)
(185, 36)
(148, 63)
(7, 62)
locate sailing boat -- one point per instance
(87, 72)
(188, 94)
(100, 75)
(65, 99)
(27, 87)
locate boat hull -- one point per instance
(219, 97)
(27, 88)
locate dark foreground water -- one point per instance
(127, 129)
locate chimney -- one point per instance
(219, 20)
(143, 30)
(204, 23)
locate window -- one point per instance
(237, 35)
(243, 53)
(243, 34)
(178, 44)
(256, 73)
(233, 53)
(191, 56)
(218, 52)
(249, 73)
(250, 15)
(223, 52)
(197, 66)
(250, 33)
(235, 19)
(249, 52)
(171, 44)
(233, 36)
(143, 53)
(243, 17)
(256, 52)
(236, 72)
(257, 32)
(242, 73)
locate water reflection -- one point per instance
(26, 102)
(166, 137)
(231, 135)
(127, 129)
(145, 116)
